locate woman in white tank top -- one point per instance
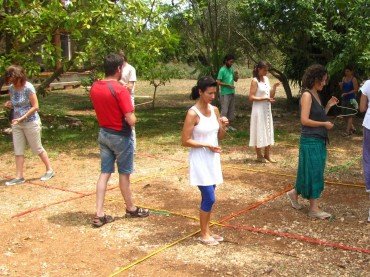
(203, 127)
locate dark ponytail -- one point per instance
(194, 95)
(202, 84)
(259, 65)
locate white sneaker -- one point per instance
(47, 176)
(15, 181)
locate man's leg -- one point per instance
(101, 188)
(107, 168)
(124, 185)
(231, 110)
(224, 105)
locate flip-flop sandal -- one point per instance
(319, 215)
(99, 221)
(139, 212)
(217, 237)
(209, 242)
(294, 202)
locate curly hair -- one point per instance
(314, 73)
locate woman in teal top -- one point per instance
(312, 147)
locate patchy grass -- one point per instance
(159, 130)
(161, 182)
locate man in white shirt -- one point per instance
(128, 79)
(364, 107)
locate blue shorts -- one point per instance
(116, 148)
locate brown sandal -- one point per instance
(100, 221)
(139, 212)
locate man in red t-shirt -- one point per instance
(115, 114)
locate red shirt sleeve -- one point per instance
(124, 100)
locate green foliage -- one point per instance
(205, 33)
(159, 76)
(333, 33)
(93, 76)
(28, 29)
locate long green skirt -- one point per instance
(311, 166)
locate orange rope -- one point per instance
(298, 237)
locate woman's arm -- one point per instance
(223, 121)
(252, 93)
(363, 103)
(355, 85)
(332, 102)
(8, 104)
(306, 102)
(224, 84)
(341, 84)
(273, 89)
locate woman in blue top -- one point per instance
(26, 124)
(349, 87)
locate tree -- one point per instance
(159, 76)
(96, 27)
(332, 32)
(205, 32)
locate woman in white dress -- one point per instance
(203, 127)
(261, 126)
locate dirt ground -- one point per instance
(46, 231)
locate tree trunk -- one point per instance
(154, 95)
(58, 50)
(45, 84)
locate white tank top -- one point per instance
(205, 165)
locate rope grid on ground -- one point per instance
(213, 223)
(240, 227)
(330, 182)
(87, 194)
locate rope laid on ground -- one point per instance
(49, 187)
(298, 237)
(155, 252)
(86, 194)
(161, 249)
(240, 227)
(271, 232)
(293, 176)
(330, 182)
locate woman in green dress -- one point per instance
(314, 136)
